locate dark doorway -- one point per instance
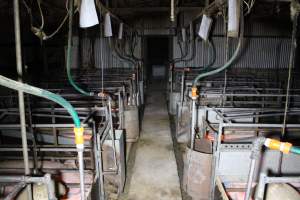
(157, 54)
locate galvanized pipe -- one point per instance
(193, 125)
(250, 179)
(255, 155)
(81, 173)
(20, 93)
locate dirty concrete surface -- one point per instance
(154, 171)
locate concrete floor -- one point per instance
(154, 173)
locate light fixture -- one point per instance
(107, 25)
(88, 14)
(120, 33)
(205, 26)
(233, 18)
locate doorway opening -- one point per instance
(157, 54)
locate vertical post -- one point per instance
(100, 167)
(291, 65)
(255, 156)
(215, 163)
(194, 116)
(50, 187)
(194, 121)
(81, 173)
(260, 191)
(20, 93)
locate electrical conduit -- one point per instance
(78, 129)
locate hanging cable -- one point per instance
(39, 32)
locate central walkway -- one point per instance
(154, 174)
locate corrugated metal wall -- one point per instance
(96, 52)
(266, 46)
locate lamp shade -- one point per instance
(107, 26)
(205, 26)
(88, 14)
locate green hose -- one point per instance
(230, 61)
(41, 93)
(219, 69)
(295, 150)
(69, 53)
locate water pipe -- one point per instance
(78, 129)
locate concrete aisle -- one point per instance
(154, 174)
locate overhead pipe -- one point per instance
(20, 93)
(69, 53)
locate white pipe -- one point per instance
(20, 93)
(172, 16)
(81, 172)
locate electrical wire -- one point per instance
(39, 32)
